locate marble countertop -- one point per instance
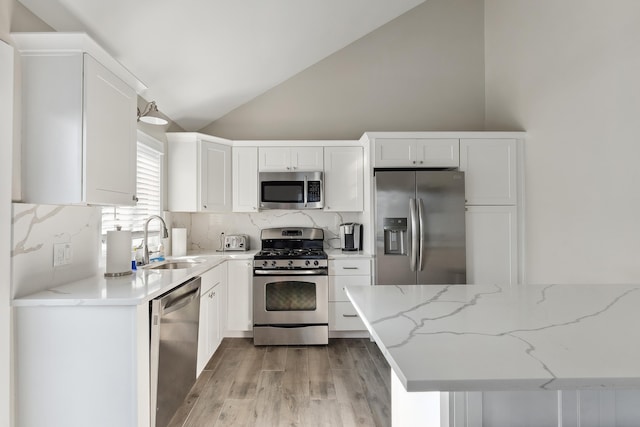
(138, 288)
(141, 286)
(533, 337)
(340, 254)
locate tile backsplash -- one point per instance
(35, 230)
(204, 232)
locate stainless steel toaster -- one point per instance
(236, 242)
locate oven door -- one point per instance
(290, 300)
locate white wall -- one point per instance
(568, 72)
(6, 146)
(421, 71)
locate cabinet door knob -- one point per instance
(204, 206)
(134, 198)
(421, 162)
(414, 162)
(349, 315)
(288, 168)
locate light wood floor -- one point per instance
(346, 383)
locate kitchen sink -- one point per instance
(173, 265)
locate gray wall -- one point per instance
(23, 20)
(422, 71)
(6, 7)
(568, 73)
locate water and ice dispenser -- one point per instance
(395, 236)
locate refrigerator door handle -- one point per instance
(420, 256)
(413, 256)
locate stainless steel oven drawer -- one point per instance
(296, 335)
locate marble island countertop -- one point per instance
(140, 287)
(482, 338)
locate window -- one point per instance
(148, 190)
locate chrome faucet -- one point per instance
(145, 241)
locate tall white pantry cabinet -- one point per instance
(491, 191)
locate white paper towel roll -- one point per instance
(178, 241)
(118, 253)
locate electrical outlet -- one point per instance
(62, 254)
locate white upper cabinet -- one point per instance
(245, 179)
(417, 152)
(199, 175)
(490, 171)
(78, 122)
(290, 159)
(343, 179)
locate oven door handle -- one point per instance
(312, 272)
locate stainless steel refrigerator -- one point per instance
(420, 232)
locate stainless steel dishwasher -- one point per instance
(173, 349)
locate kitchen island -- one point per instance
(553, 355)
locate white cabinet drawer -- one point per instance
(350, 267)
(343, 317)
(338, 283)
(211, 278)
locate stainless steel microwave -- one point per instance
(291, 190)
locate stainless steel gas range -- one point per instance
(291, 288)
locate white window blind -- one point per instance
(148, 191)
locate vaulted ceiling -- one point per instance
(203, 58)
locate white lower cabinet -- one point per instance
(342, 273)
(573, 408)
(492, 244)
(210, 322)
(239, 297)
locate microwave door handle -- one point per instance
(305, 191)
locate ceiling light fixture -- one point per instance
(151, 115)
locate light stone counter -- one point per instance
(138, 288)
(466, 338)
(556, 355)
(340, 254)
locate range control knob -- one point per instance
(264, 263)
(273, 263)
(290, 263)
(316, 263)
(307, 262)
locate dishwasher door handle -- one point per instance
(181, 301)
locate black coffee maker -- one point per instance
(351, 236)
